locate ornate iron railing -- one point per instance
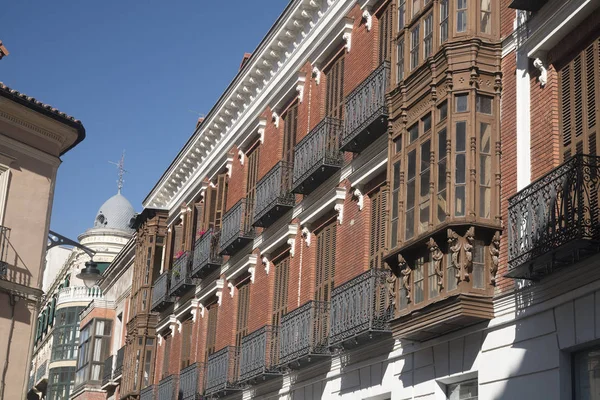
(259, 354)
(160, 292)
(237, 225)
(304, 332)
(107, 373)
(189, 382)
(221, 371)
(360, 306)
(321, 147)
(119, 363)
(41, 371)
(181, 275)
(148, 392)
(167, 388)
(206, 254)
(365, 104)
(555, 219)
(4, 245)
(274, 190)
(31, 381)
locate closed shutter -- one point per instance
(289, 138)
(334, 99)
(198, 214)
(177, 239)
(211, 332)
(579, 93)
(220, 200)
(168, 342)
(282, 268)
(378, 228)
(242, 313)
(385, 34)
(186, 343)
(251, 179)
(325, 268)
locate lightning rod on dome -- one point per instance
(121, 171)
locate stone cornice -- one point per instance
(294, 39)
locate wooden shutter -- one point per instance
(167, 355)
(325, 268)
(289, 138)
(211, 331)
(220, 200)
(186, 343)
(579, 94)
(198, 215)
(177, 239)
(385, 34)
(334, 99)
(241, 329)
(251, 179)
(378, 228)
(282, 268)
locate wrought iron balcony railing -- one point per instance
(555, 220)
(30, 382)
(119, 363)
(366, 111)
(237, 229)
(167, 388)
(190, 381)
(361, 307)
(161, 298)
(317, 156)
(260, 355)
(107, 373)
(206, 254)
(274, 195)
(4, 245)
(42, 372)
(181, 275)
(221, 372)
(148, 393)
(304, 333)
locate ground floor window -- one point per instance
(586, 372)
(60, 383)
(466, 390)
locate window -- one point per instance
(282, 268)
(414, 47)
(400, 60)
(579, 102)
(148, 362)
(334, 99)
(485, 169)
(186, 343)
(443, 111)
(461, 102)
(410, 194)
(586, 373)
(486, 16)
(441, 179)
(484, 104)
(416, 7)
(94, 348)
(290, 126)
(461, 15)
(413, 133)
(166, 355)
(478, 265)
(460, 172)
(60, 383)
(215, 201)
(378, 228)
(401, 14)
(425, 176)
(325, 265)
(428, 36)
(211, 332)
(251, 179)
(418, 277)
(385, 34)
(443, 21)
(395, 199)
(462, 391)
(243, 306)
(66, 334)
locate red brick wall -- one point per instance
(90, 396)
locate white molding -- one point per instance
(316, 74)
(4, 179)
(275, 119)
(361, 201)
(267, 265)
(306, 235)
(262, 124)
(280, 237)
(247, 262)
(543, 78)
(300, 86)
(368, 18)
(333, 199)
(523, 86)
(241, 157)
(231, 289)
(229, 165)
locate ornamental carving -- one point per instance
(495, 253)
(406, 272)
(468, 246)
(436, 256)
(454, 246)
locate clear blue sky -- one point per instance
(136, 72)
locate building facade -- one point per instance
(33, 137)
(57, 348)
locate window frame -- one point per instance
(89, 340)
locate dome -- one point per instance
(116, 213)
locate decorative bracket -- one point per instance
(543, 78)
(292, 243)
(300, 86)
(229, 165)
(174, 324)
(340, 210)
(262, 123)
(231, 288)
(316, 74)
(405, 272)
(219, 293)
(368, 18)
(267, 264)
(241, 157)
(252, 271)
(160, 339)
(306, 236)
(361, 199)
(54, 239)
(495, 253)
(347, 36)
(275, 119)
(194, 311)
(436, 256)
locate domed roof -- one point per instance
(116, 213)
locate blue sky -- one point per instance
(137, 73)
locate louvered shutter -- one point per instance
(290, 126)
(251, 179)
(220, 201)
(242, 313)
(579, 102)
(167, 355)
(199, 213)
(186, 341)
(325, 268)
(334, 99)
(281, 290)
(177, 239)
(378, 228)
(211, 334)
(385, 34)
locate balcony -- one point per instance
(148, 392)
(555, 221)
(161, 299)
(361, 308)
(206, 254)
(221, 372)
(41, 377)
(190, 381)
(237, 230)
(317, 156)
(259, 355)
(181, 275)
(303, 334)
(366, 111)
(107, 372)
(78, 294)
(273, 195)
(167, 388)
(118, 373)
(4, 245)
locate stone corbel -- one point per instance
(300, 86)
(262, 123)
(275, 119)
(203, 186)
(339, 207)
(316, 74)
(368, 18)
(495, 253)
(292, 243)
(360, 198)
(231, 288)
(468, 247)
(194, 310)
(405, 273)
(267, 264)
(347, 37)
(306, 236)
(543, 78)
(436, 256)
(241, 157)
(219, 293)
(174, 324)
(160, 339)
(229, 165)
(252, 272)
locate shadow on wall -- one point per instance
(17, 271)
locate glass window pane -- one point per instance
(443, 111)
(586, 372)
(461, 136)
(427, 123)
(425, 155)
(461, 102)
(412, 164)
(484, 104)
(410, 224)
(413, 133)
(461, 170)
(459, 199)
(401, 13)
